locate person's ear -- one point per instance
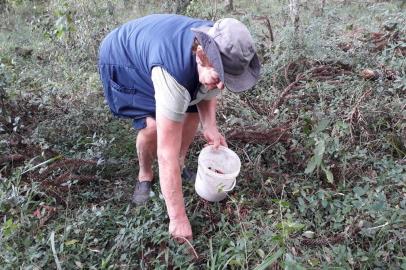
(199, 55)
(199, 50)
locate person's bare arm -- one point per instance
(169, 135)
(207, 113)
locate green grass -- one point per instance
(330, 194)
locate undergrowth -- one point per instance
(322, 139)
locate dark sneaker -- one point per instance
(188, 176)
(141, 192)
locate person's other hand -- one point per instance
(213, 137)
(180, 229)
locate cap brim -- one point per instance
(246, 80)
(234, 83)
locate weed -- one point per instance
(321, 139)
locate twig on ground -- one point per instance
(266, 148)
(57, 262)
(190, 245)
(42, 164)
(281, 98)
(67, 163)
(12, 158)
(338, 238)
(354, 115)
(269, 26)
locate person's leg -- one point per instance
(190, 125)
(146, 150)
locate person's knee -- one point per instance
(148, 134)
(150, 129)
(151, 123)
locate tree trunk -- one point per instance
(294, 15)
(229, 5)
(323, 3)
(110, 8)
(181, 6)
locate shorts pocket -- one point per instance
(122, 99)
(121, 89)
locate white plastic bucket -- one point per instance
(216, 173)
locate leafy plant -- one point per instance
(316, 162)
(333, 124)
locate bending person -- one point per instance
(164, 72)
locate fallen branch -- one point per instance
(42, 164)
(281, 98)
(67, 164)
(336, 239)
(59, 199)
(260, 137)
(11, 158)
(57, 181)
(81, 179)
(269, 26)
(324, 241)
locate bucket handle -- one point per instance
(232, 186)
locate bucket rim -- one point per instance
(214, 174)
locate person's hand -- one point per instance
(180, 229)
(213, 137)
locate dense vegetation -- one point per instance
(322, 140)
